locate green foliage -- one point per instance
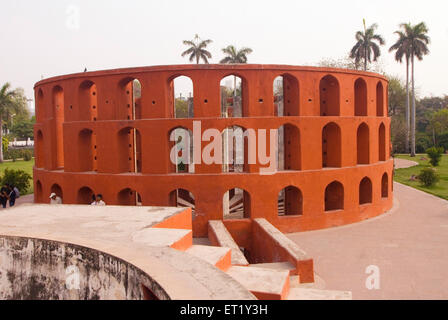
(397, 96)
(428, 177)
(422, 142)
(23, 128)
(18, 178)
(435, 154)
(14, 154)
(27, 155)
(181, 107)
(5, 144)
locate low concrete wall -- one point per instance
(270, 245)
(50, 270)
(219, 236)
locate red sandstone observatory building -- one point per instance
(110, 132)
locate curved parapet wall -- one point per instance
(96, 134)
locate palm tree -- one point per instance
(366, 44)
(6, 105)
(413, 42)
(235, 56)
(402, 50)
(197, 49)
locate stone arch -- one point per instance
(236, 204)
(129, 150)
(40, 106)
(289, 148)
(181, 98)
(87, 101)
(329, 93)
(129, 197)
(56, 188)
(182, 198)
(130, 99)
(87, 156)
(39, 192)
(365, 191)
(39, 149)
(334, 196)
(360, 98)
(286, 95)
(181, 150)
(385, 186)
(84, 196)
(382, 142)
(235, 148)
(290, 202)
(379, 99)
(363, 144)
(234, 96)
(331, 146)
(58, 116)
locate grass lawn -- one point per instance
(26, 166)
(439, 190)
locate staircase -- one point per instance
(267, 281)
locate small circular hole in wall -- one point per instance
(346, 101)
(107, 101)
(127, 92)
(93, 107)
(153, 102)
(94, 119)
(129, 105)
(310, 100)
(205, 101)
(130, 159)
(129, 117)
(71, 107)
(260, 100)
(94, 93)
(324, 89)
(95, 147)
(96, 158)
(130, 145)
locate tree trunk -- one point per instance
(413, 111)
(408, 119)
(1, 139)
(365, 59)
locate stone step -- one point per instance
(317, 294)
(221, 237)
(220, 257)
(318, 283)
(279, 266)
(265, 284)
(180, 239)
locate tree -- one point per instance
(23, 128)
(397, 96)
(235, 56)
(11, 102)
(366, 45)
(412, 43)
(197, 49)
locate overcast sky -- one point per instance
(45, 37)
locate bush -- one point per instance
(435, 154)
(18, 178)
(13, 154)
(27, 155)
(428, 176)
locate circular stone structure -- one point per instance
(112, 132)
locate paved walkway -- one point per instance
(409, 245)
(403, 163)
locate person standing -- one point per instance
(3, 196)
(11, 196)
(99, 200)
(55, 199)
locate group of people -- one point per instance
(9, 193)
(97, 200)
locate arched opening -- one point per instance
(363, 144)
(182, 198)
(58, 190)
(365, 191)
(85, 196)
(130, 94)
(289, 148)
(88, 101)
(58, 114)
(40, 106)
(38, 192)
(236, 204)
(334, 196)
(39, 149)
(234, 94)
(329, 96)
(379, 99)
(360, 98)
(129, 150)
(286, 96)
(181, 97)
(385, 186)
(382, 142)
(181, 150)
(331, 146)
(235, 144)
(87, 155)
(290, 202)
(129, 197)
